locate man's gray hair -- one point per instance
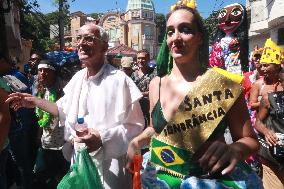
(103, 34)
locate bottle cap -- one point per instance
(80, 120)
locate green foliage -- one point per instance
(52, 18)
(35, 26)
(96, 15)
(160, 21)
(211, 24)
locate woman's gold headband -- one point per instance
(187, 3)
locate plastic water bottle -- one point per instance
(81, 127)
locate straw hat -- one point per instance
(126, 62)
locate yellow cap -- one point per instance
(188, 3)
(272, 53)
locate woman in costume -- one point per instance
(189, 112)
(230, 46)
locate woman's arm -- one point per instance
(254, 93)
(245, 140)
(224, 157)
(269, 135)
(144, 138)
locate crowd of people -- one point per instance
(175, 116)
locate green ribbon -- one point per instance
(164, 59)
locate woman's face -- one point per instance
(281, 78)
(270, 70)
(183, 38)
(46, 76)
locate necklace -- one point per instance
(45, 117)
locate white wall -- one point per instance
(267, 17)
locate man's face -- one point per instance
(90, 45)
(142, 59)
(34, 60)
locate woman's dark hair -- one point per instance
(204, 48)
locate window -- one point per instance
(147, 30)
(280, 40)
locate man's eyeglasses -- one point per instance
(87, 38)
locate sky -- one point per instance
(205, 7)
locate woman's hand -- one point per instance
(20, 100)
(270, 137)
(133, 149)
(220, 157)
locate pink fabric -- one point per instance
(216, 59)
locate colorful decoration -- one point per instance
(45, 117)
(230, 18)
(230, 48)
(187, 3)
(272, 53)
(62, 58)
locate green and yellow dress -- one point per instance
(200, 118)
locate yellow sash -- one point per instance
(200, 113)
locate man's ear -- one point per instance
(105, 48)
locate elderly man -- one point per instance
(108, 101)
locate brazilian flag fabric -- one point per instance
(173, 160)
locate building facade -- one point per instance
(134, 28)
(11, 43)
(266, 20)
(140, 23)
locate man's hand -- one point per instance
(19, 100)
(270, 137)
(92, 140)
(219, 157)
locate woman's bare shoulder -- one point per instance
(155, 80)
(259, 82)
